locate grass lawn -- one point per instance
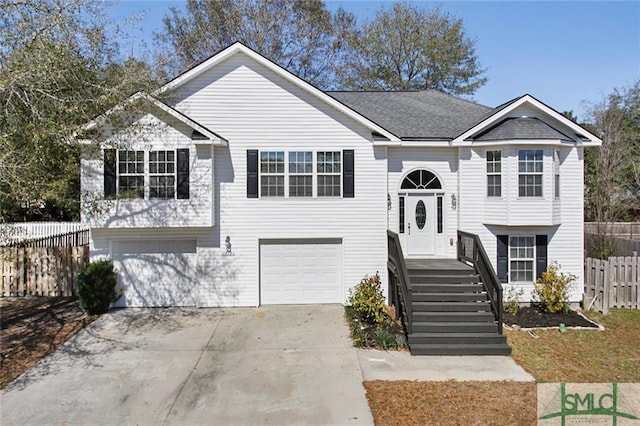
(612, 355)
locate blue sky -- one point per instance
(563, 53)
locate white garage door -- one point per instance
(298, 272)
(156, 273)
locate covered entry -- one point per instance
(421, 216)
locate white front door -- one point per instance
(420, 217)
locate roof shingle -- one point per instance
(426, 114)
(521, 128)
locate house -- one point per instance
(239, 184)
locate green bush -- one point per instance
(552, 289)
(367, 300)
(97, 287)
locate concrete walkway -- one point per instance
(380, 365)
(273, 365)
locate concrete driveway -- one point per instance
(269, 365)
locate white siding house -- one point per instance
(248, 186)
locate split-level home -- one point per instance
(240, 184)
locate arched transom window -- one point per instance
(421, 179)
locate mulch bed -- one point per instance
(32, 328)
(532, 317)
(388, 335)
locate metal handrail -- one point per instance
(470, 249)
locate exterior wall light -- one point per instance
(227, 243)
(388, 202)
(454, 202)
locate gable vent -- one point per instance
(197, 136)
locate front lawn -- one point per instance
(612, 355)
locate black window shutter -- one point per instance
(109, 172)
(503, 258)
(541, 255)
(348, 173)
(252, 173)
(183, 174)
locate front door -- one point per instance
(420, 226)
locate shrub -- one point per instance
(367, 300)
(97, 287)
(512, 299)
(552, 289)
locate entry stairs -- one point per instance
(451, 312)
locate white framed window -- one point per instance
(556, 173)
(272, 173)
(522, 258)
(162, 174)
(530, 168)
(131, 174)
(329, 171)
(301, 174)
(494, 173)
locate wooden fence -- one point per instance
(612, 283)
(41, 271)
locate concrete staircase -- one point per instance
(451, 311)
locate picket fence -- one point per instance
(43, 234)
(42, 271)
(612, 283)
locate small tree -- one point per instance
(552, 289)
(97, 287)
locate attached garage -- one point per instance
(156, 272)
(301, 271)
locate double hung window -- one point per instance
(301, 174)
(329, 167)
(131, 174)
(272, 173)
(556, 173)
(530, 168)
(522, 258)
(494, 173)
(162, 174)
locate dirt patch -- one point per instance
(532, 317)
(452, 403)
(32, 328)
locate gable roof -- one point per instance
(416, 115)
(141, 96)
(581, 135)
(521, 128)
(376, 128)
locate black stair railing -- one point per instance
(400, 293)
(470, 249)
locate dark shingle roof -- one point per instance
(426, 114)
(521, 128)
